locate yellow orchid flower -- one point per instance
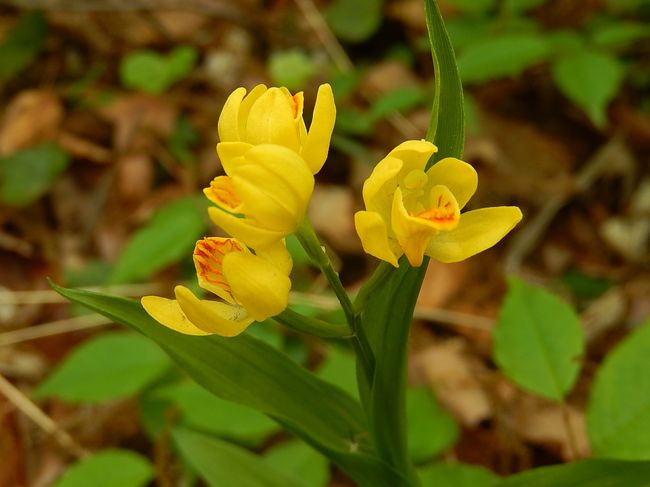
(413, 212)
(274, 116)
(253, 287)
(264, 196)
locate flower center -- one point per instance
(208, 259)
(222, 193)
(443, 208)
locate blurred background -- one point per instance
(108, 116)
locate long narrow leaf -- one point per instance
(250, 372)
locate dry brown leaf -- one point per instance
(388, 76)
(32, 117)
(135, 174)
(441, 282)
(452, 373)
(331, 211)
(604, 313)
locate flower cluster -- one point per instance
(270, 159)
(415, 213)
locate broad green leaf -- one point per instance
(399, 100)
(518, 7)
(565, 42)
(585, 473)
(538, 341)
(21, 44)
(500, 57)
(108, 468)
(206, 412)
(153, 72)
(590, 80)
(300, 461)
(107, 367)
(584, 286)
(26, 175)
(618, 415)
(457, 475)
(619, 34)
(354, 121)
(292, 68)
(431, 429)
(354, 21)
(250, 372)
(165, 239)
(472, 6)
(223, 464)
(338, 368)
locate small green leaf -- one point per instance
(27, 175)
(300, 461)
(169, 236)
(153, 72)
(618, 419)
(590, 80)
(108, 468)
(223, 464)
(354, 21)
(619, 34)
(431, 429)
(538, 341)
(399, 100)
(22, 44)
(518, 7)
(585, 473)
(504, 56)
(204, 411)
(292, 68)
(107, 367)
(457, 475)
(472, 6)
(339, 368)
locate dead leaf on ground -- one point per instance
(331, 211)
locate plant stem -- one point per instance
(309, 241)
(377, 280)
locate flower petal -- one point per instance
(167, 312)
(247, 231)
(414, 153)
(212, 316)
(477, 231)
(228, 125)
(258, 285)
(458, 176)
(271, 120)
(279, 256)
(230, 152)
(380, 186)
(246, 105)
(316, 144)
(373, 233)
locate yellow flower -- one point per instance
(253, 287)
(413, 212)
(274, 116)
(264, 196)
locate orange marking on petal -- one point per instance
(222, 191)
(208, 258)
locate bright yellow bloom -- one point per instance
(264, 196)
(274, 116)
(413, 212)
(253, 287)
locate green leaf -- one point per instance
(338, 368)
(431, 429)
(27, 175)
(590, 80)
(248, 371)
(154, 73)
(619, 34)
(206, 412)
(22, 44)
(538, 341)
(223, 464)
(457, 475)
(618, 415)
(399, 100)
(472, 6)
(107, 367)
(292, 69)
(585, 473)
(169, 236)
(354, 21)
(300, 461)
(518, 7)
(108, 468)
(504, 56)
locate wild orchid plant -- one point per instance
(413, 202)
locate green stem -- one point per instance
(378, 279)
(313, 326)
(309, 241)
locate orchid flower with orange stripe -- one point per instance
(253, 287)
(416, 213)
(275, 116)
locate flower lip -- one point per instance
(208, 260)
(222, 192)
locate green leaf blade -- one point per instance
(538, 341)
(108, 468)
(618, 414)
(457, 475)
